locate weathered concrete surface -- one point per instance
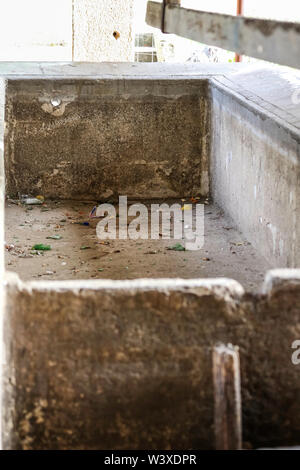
(94, 23)
(275, 90)
(2, 193)
(118, 70)
(274, 381)
(2, 182)
(127, 364)
(115, 364)
(225, 251)
(141, 138)
(255, 172)
(105, 364)
(270, 87)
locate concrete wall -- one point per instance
(94, 23)
(255, 173)
(103, 364)
(2, 182)
(2, 195)
(127, 365)
(142, 138)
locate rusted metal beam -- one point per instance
(274, 41)
(227, 394)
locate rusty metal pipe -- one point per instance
(239, 12)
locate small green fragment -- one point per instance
(101, 269)
(177, 247)
(63, 220)
(55, 237)
(85, 247)
(41, 247)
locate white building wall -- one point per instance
(94, 22)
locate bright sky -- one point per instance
(27, 21)
(34, 25)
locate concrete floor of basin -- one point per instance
(79, 254)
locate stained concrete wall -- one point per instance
(127, 365)
(255, 172)
(94, 23)
(2, 195)
(142, 138)
(2, 182)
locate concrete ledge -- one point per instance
(88, 363)
(106, 367)
(279, 280)
(271, 87)
(220, 286)
(96, 70)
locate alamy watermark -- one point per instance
(296, 353)
(176, 221)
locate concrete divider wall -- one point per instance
(89, 139)
(127, 364)
(2, 193)
(255, 173)
(2, 182)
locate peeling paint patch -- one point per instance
(56, 111)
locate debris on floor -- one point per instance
(177, 247)
(41, 247)
(76, 250)
(54, 237)
(32, 201)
